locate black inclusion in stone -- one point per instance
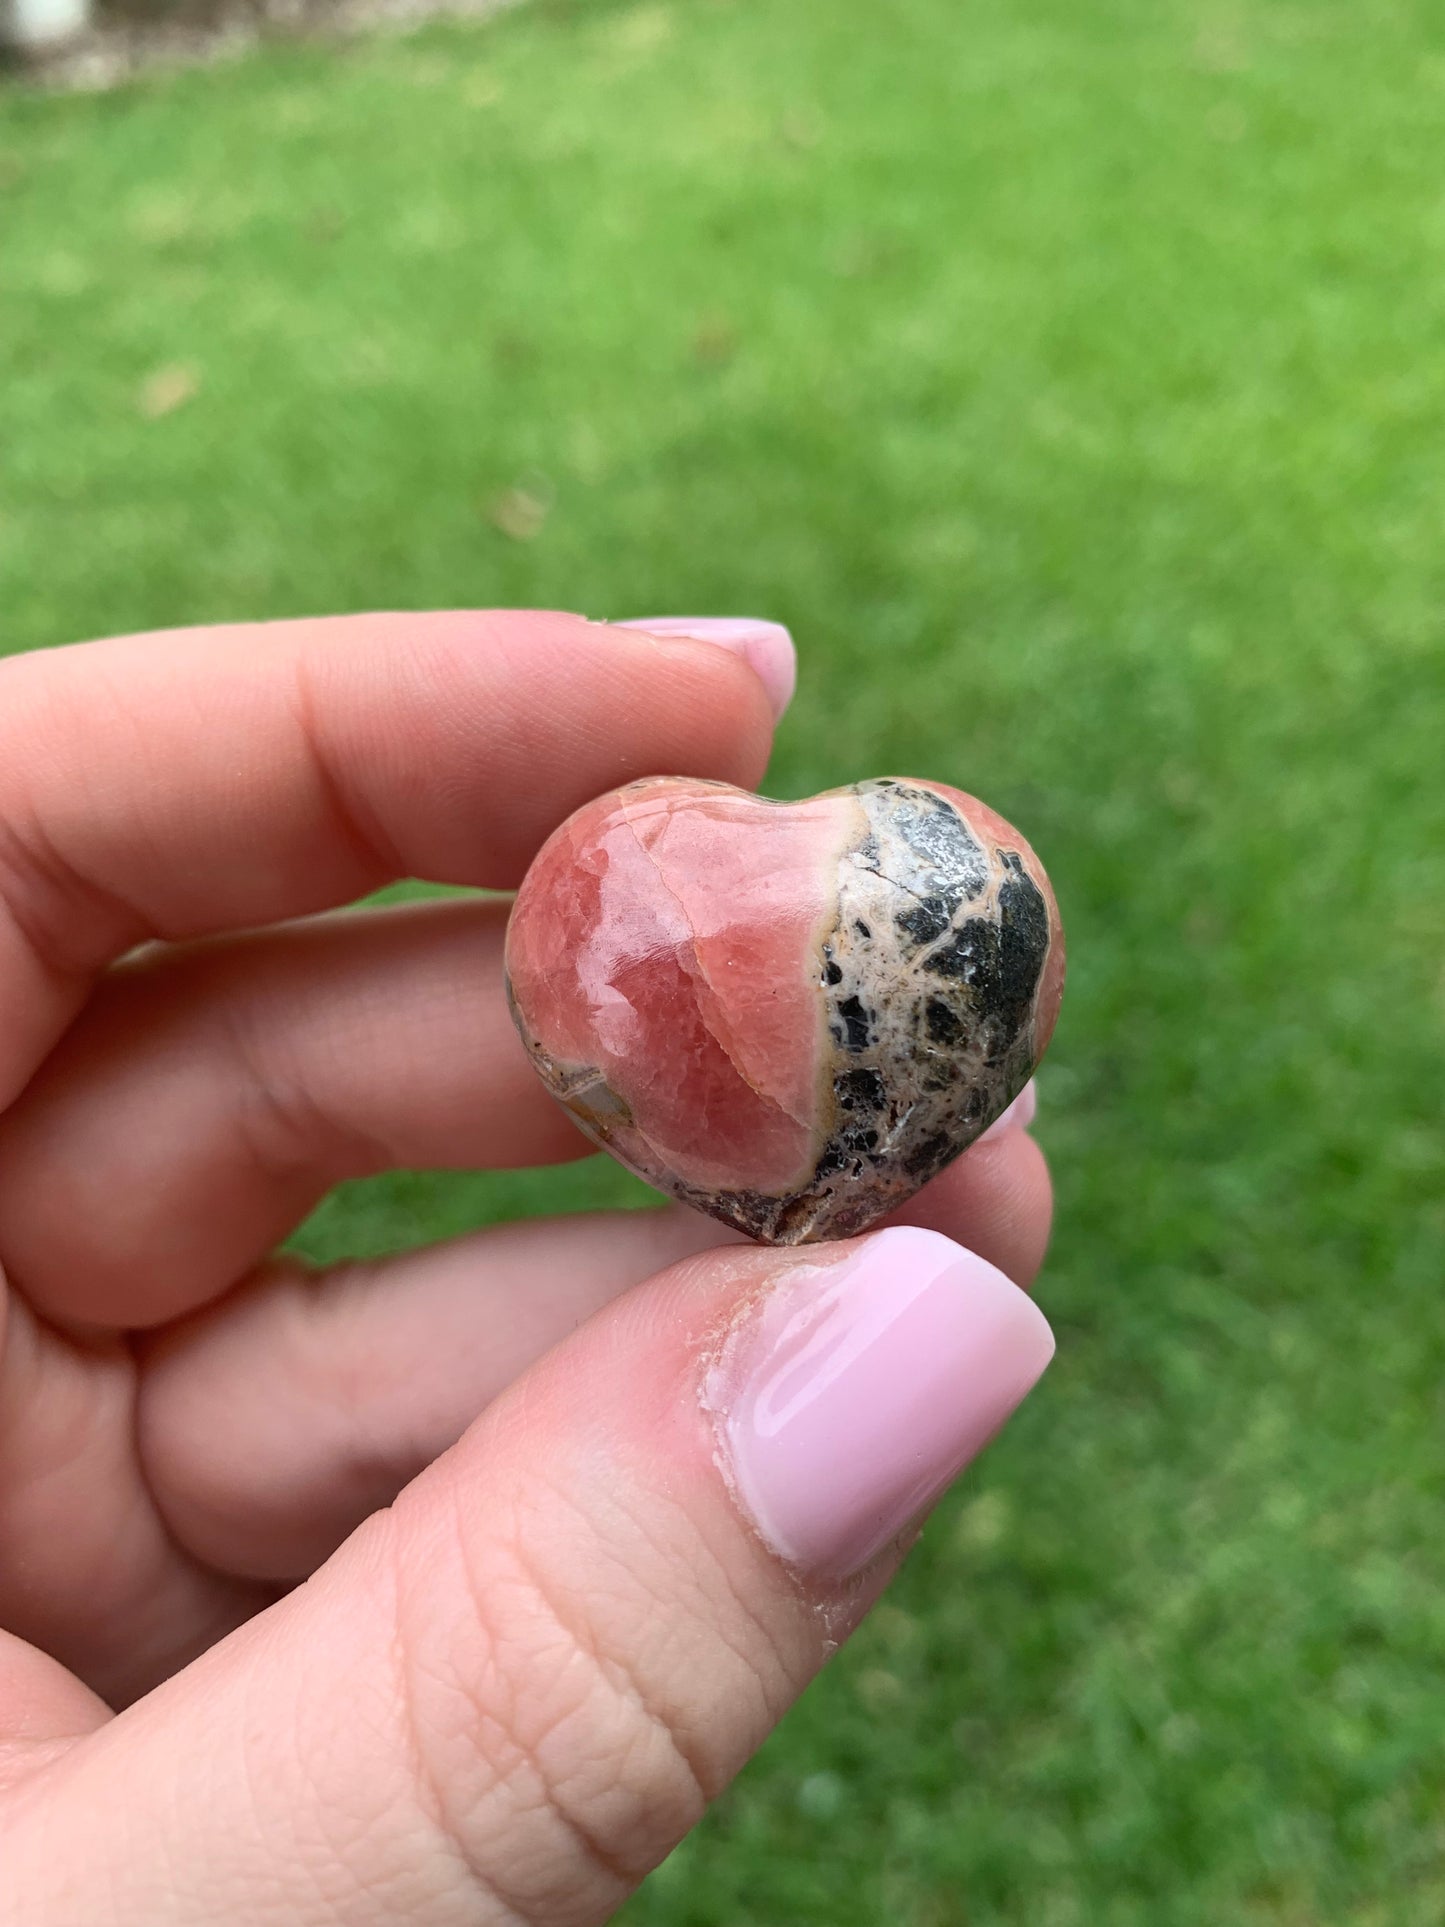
(1001, 962)
(847, 1150)
(970, 956)
(831, 973)
(1023, 937)
(930, 1155)
(859, 1091)
(862, 928)
(942, 1021)
(855, 1031)
(925, 920)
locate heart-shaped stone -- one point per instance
(791, 1015)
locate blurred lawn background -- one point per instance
(1070, 375)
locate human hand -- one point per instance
(381, 1659)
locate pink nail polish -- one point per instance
(1018, 1117)
(853, 1393)
(766, 647)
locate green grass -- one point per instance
(1071, 375)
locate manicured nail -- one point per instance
(853, 1392)
(1018, 1117)
(765, 646)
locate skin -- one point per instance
(465, 1715)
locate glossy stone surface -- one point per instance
(790, 1015)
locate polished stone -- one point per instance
(791, 1015)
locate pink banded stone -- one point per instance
(790, 1015)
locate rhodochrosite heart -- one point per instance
(791, 1015)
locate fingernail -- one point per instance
(854, 1392)
(765, 646)
(1018, 1117)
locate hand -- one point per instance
(530, 1645)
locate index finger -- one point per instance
(172, 785)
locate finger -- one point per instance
(272, 1426)
(261, 1433)
(509, 1696)
(172, 785)
(87, 1567)
(40, 1703)
(210, 1095)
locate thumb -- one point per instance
(510, 1695)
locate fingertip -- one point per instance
(855, 1391)
(766, 647)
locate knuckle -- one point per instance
(39, 893)
(68, 920)
(288, 1133)
(557, 1727)
(355, 823)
